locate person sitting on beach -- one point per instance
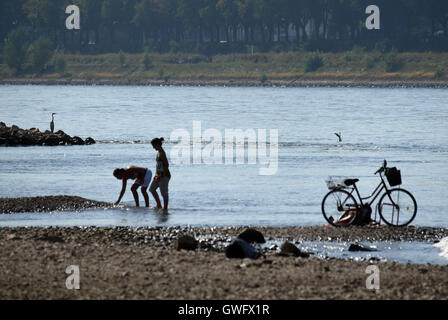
(142, 178)
(162, 176)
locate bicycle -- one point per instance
(397, 207)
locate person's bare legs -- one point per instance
(165, 203)
(145, 195)
(156, 197)
(164, 192)
(134, 192)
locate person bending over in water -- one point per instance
(162, 176)
(142, 178)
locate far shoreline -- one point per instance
(283, 83)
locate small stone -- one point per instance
(11, 236)
(289, 249)
(51, 238)
(358, 247)
(185, 242)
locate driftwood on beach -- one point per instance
(15, 136)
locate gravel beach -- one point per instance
(49, 203)
(142, 263)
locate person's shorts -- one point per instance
(146, 179)
(162, 184)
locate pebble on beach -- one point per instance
(186, 242)
(289, 249)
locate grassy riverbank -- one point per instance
(293, 68)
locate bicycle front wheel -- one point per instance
(339, 208)
(397, 207)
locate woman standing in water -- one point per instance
(162, 176)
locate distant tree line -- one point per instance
(223, 26)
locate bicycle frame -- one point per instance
(378, 190)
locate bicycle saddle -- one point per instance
(349, 182)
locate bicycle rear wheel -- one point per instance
(397, 208)
(339, 208)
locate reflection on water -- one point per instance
(138, 216)
(403, 252)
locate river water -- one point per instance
(280, 178)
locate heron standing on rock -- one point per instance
(52, 122)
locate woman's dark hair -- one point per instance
(157, 141)
(118, 172)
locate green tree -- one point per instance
(15, 49)
(267, 15)
(90, 11)
(168, 24)
(11, 16)
(144, 18)
(300, 16)
(60, 64)
(111, 15)
(40, 53)
(437, 12)
(229, 11)
(46, 16)
(147, 61)
(313, 62)
(189, 12)
(210, 17)
(246, 13)
(122, 58)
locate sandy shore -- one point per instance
(352, 83)
(141, 263)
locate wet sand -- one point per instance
(141, 263)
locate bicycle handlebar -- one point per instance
(382, 168)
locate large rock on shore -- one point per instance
(251, 235)
(15, 136)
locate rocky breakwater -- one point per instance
(15, 136)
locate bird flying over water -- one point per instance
(338, 134)
(52, 122)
